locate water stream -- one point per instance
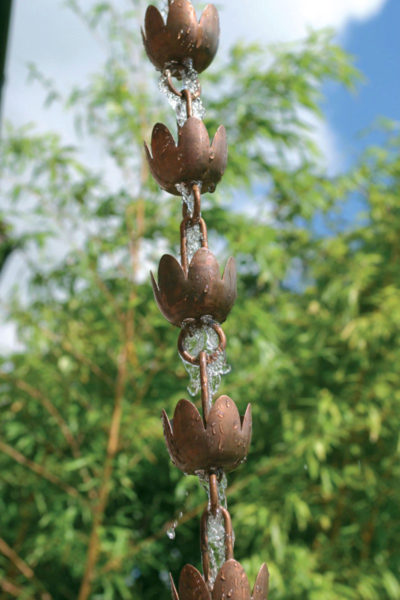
(190, 81)
(205, 338)
(215, 525)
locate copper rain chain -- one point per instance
(193, 296)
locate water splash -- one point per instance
(197, 340)
(190, 81)
(215, 525)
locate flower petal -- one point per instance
(192, 585)
(193, 149)
(182, 22)
(153, 22)
(162, 142)
(207, 39)
(173, 588)
(228, 444)
(168, 435)
(231, 582)
(190, 444)
(218, 155)
(203, 269)
(171, 279)
(247, 426)
(260, 590)
(229, 280)
(170, 293)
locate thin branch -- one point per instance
(16, 560)
(47, 405)
(112, 446)
(68, 347)
(53, 411)
(38, 469)
(23, 568)
(9, 588)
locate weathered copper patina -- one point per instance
(194, 296)
(192, 160)
(182, 38)
(222, 442)
(199, 293)
(231, 583)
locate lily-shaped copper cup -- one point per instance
(231, 582)
(193, 159)
(199, 293)
(223, 442)
(171, 44)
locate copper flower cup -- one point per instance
(192, 160)
(199, 293)
(181, 38)
(223, 443)
(231, 582)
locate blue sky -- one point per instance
(375, 44)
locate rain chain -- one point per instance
(193, 296)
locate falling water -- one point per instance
(215, 525)
(186, 191)
(190, 81)
(171, 531)
(193, 241)
(197, 340)
(194, 237)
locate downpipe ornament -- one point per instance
(192, 295)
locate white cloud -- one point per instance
(286, 20)
(271, 21)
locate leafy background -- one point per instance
(87, 489)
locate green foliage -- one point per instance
(313, 340)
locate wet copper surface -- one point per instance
(181, 38)
(231, 584)
(189, 161)
(260, 590)
(202, 292)
(222, 443)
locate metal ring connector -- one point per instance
(185, 93)
(195, 360)
(171, 86)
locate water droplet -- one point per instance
(171, 530)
